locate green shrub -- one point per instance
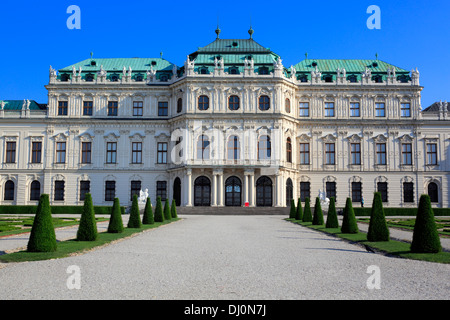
(159, 216)
(425, 236)
(167, 214)
(307, 215)
(292, 211)
(299, 212)
(42, 237)
(349, 224)
(135, 219)
(173, 209)
(318, 213)
(115, 222)
(87, 230)
(378, 230)
(148, 217)
(332, 219)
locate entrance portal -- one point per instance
(264, 192)
(202, 191)
(233, 187)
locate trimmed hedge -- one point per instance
(135, 219)
(425, 236)
(115, 221)
(293, 210)
(87, 230)
(299, 212)
(318, 214)
(42, 237)
(12, 209)
(438, 212)
(332, 219)
(307, 215)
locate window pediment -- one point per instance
(329, 138)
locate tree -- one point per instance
(378, 230)
(318, 213)
(173, 209)
(87, 230)
(332, 219)
(425, 236)
(307, 215)
(293, 211)
(135, 219)
(115, 221)
(167, 214)
(159, 216)
(42, 237)
(299, 213)
(349, 221)
(148, 217)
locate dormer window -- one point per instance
(263, 70)
(303, 78)
(203, 70)
(377, 79)
(115, 78)
(89, 77)
(93, 63)
(352, 78)
(233, 70)
(328, 78)
(65, 77)
(139, 77)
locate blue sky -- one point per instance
(35, 36)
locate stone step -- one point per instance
(233, 210)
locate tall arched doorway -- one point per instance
(202, 191)
(433, 192)
(289, 191)
(233, 190)
(264, 192)
(177, 191)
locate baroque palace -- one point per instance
(232, 127)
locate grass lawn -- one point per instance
(395, 248)
(442, 225)
(73, 247)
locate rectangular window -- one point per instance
(330, 153)
(135, 188)
(111, 152)
(305, 191)
(60, 152)
(406, 154)
(329, 109)
(138, 108)
(36, 152)
(87, 108)
(405, 110)
(62, 108)
(354, 110)
(110, 190)
(356, 153)
(356, 191)
(331, 190)
(162, 152)
(380, 110)
(112, 108)
(304, 153)
(86, 152)
(136, 155)
(161, 190)
(382, 188)
(163, 109)
(408, 192)
(85, 187)
(304, 109)
(381, 153)
(432, 153)
(59, 190)
(10, 152)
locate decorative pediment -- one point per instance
(354, 138)
(60, 137)
(381, 179)
(355, 179)
(380, 138)
(329, 138)
(304, 137)
(111, 137)
(405, 138)
(86, 137)
(137, 137)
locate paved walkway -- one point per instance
(227, 257)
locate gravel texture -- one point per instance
(227, 257)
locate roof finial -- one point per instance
(306, 55)
(376, 55)
(161, 54)
(250, 31)
(217, 30)
(92, 54)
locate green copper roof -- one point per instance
(233, 46)
(18, 104)
(236, 59)
(350, 66)
(117, 64)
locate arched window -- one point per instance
(433, 192)
(264, 148)
(328, 78)
(233, 70)
(9, 191)
(288, 150)
(179, 105)
(287, 105)
(203, 103)
(35, 190)
(233, 102)
(233, 148)
(264, 103)
(289, 191)
(203, 147)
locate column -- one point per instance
(278, 193)
(221, 189)
(214, 190)
(246, 187)
(252, 189)
(189, 188)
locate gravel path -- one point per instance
(224, 257)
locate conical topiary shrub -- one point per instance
(159, 215)
(332, 219)
(115, 221)
(293, 211)
(307, 215)
(167, 214)
(87, 230)
(425, 236)
(349, 221)
(299, 212)
(135, 219)
(318, 213)
(378, 230)
(148, 217)
(42, 237)
(173, 209)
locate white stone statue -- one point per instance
(323, 198)
(143, 195)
